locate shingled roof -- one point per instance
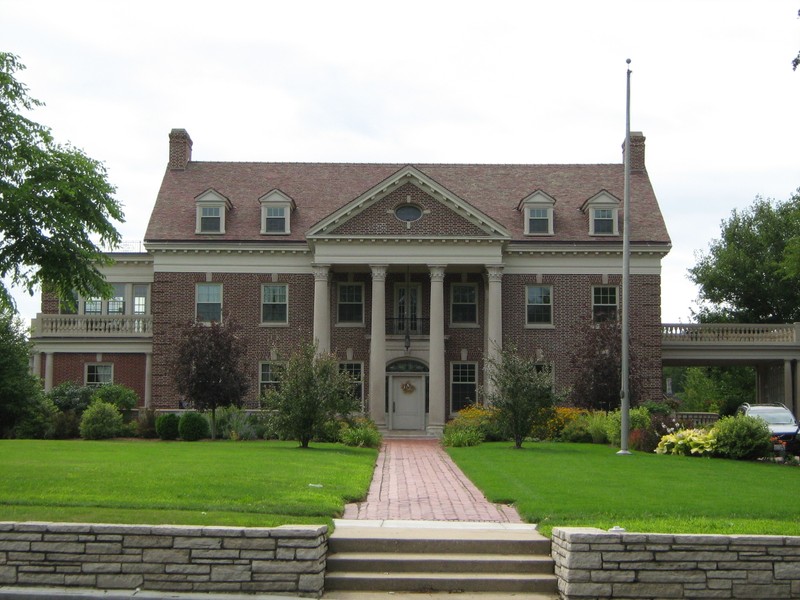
(319, 189)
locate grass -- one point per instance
(256, 484)
(586, 485)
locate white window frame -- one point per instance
(211, 199)
(602, 201)
(453, 287)
(86, 368)
(538, 325)
(339, 286)
(197, 300)
(615, 305)
(285, 287)
(276, 200)
(453, 382)
(272, 383)
(347, 366)
(538, 201)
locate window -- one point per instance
(116, 304)
(350, 303)
(604, 303)
(408, 212)
(539, 305)
(69, 306)
(275, 220)
(603, 221)
(140, 299)
(356, 371)
(276, 213)
(210, 219)
(464, 305)
(274, 304)
(99, 374)
(209, 302)
(463, 385)
(93, 306)
(538, 210)
(538, 220)
(269, 377)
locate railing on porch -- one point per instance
(92, 326)
(732, 333)
(414, 326)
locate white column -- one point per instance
(36, 367)
(48, 371)
(322, 309)
(437, 405)
(788, 400)
(148, 379)
(494, 321)
(377, 347)
(796, 402)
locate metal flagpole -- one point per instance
(626, 276)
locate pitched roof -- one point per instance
(320, 189)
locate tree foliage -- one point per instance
(717, 389)
(19, 390)
(54, 200)
(208, 367)
(751, 274)
(522, 393)
(312, 391)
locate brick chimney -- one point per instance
(637, 152)
(180, 149)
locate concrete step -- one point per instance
(398, 562)
(441, 582)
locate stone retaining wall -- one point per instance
(591, 563)
(287, 559)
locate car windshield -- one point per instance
(775, 417)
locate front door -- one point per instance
(408, 401)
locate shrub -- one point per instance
(463, 435)
(742, 438)
(67, 425)
(688, 442)
(235, 424)
(644, 440)
(639, 419)
(559, 418)
(146, 424)
(596, 425)
(167, 426)
(71, 397)
(38, 420)
(363, 433)
(100, 421)
(192, 426)
(577, 430)
(124, 398)
(484, 418)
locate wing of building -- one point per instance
(411, 274)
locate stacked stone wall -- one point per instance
(288, 559)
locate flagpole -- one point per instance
(625, 403)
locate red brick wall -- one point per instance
(129, 369)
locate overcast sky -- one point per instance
(435, 81)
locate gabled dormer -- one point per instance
(537, 209)
(212, 208)
(603, 212)
(276, 213)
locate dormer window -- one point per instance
(276, 210)
(603, 211)
(538, 213)
(211, 210)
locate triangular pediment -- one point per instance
(537, 198)
(602, 199)
(408, 204)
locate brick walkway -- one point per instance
(417, 480)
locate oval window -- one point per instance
(408, 212)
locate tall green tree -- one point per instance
(54, 201)
(18, 388)
(747, 275)
(208, 367)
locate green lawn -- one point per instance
(589, 485)
(253, 484)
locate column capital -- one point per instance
(320, 271)
(494, 272)
(379, 272)
(437, 272)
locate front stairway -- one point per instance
(438, 556)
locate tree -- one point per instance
(208, 368)
(522, 393)
(54, 200)
(717, 389)
(598, 367)
(18, 388)
(311, 392)
(748, 274)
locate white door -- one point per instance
(408, 401)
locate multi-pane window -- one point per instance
(274, 303)
(209, 302)
(464, 307)
(140, 299)
(603, 220)
(69, 306)
(99, 374)
(539, 305)
(93, 306)
(275, 219)
(604, 303)
(463, 385)
(539, 220)
(210, 219)
(356, 371)
(269, 376)
(350, 306)
(116, 304)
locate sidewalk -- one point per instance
(416, 480)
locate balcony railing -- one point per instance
(92, 326)
(414, 326)
(731, 333)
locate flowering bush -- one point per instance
(559, 419)
(688, 442)
(483, 418)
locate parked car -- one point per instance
(780, 420)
